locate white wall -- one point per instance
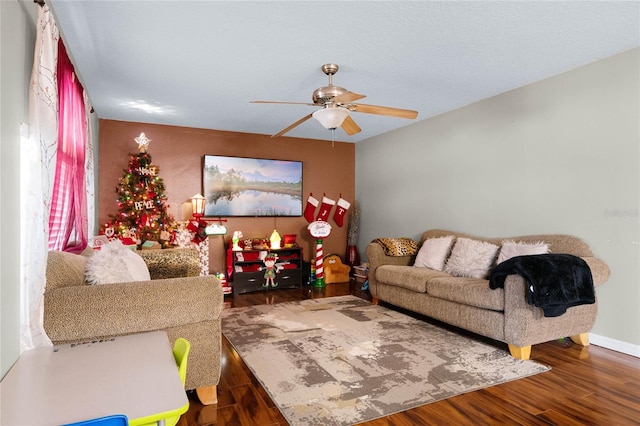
(557, 156)
(17, 41)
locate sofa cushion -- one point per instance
(512, 248)
(115, 263)
(65, 270)
(467, 291)
(408, 277)
(471, 258)
(434, 252)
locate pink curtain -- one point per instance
(68, 222)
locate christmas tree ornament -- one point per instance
(143, 142)
(341, 210)
(325, 208)
(310, 208)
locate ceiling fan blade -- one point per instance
(278, 102)
(350, 127)
(347, 97)
(380, 110)
(296, 124)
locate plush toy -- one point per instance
(270, 270)
(334, 270)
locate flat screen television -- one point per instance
(238, 186)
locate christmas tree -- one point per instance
(142, 208)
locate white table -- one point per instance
(134, 375)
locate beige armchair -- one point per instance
(187, 307)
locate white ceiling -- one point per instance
(199, 63)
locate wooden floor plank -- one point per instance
(481, 408)
(586, 385)
(254, 410)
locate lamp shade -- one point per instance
(331, 117)
(197, 205)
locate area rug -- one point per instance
(341, 360)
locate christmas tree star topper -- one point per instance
(143, 142)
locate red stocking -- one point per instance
(325, 208)
(341, 210)
(310, 208)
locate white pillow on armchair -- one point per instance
(115, 263)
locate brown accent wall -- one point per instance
(178, 152)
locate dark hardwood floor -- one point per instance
(586, 385)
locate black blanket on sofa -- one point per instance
(555, 282)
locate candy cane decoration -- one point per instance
(319, 230)
(319, 264)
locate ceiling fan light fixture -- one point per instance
(331, 118)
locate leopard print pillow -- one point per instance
(172, 263)
(398, 246)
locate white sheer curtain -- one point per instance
(37, 170)
(89, 169)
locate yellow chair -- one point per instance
(334, 270)
(181, 349)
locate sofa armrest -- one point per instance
(526, 325)
(376, 257)
(90, 311)
(599, 270)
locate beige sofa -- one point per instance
(186, 307)
(502, 314)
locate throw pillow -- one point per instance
(471, 258)
(434, 252)
(115, 263)
(512, 248)
(402, 246)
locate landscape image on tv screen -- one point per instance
(238, 186)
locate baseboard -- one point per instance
(615, 345)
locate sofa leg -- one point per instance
(520, 352)
(208, 394)
(375, 301)
(581, 339)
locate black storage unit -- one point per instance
(248, 269)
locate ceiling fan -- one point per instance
(337, 103)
